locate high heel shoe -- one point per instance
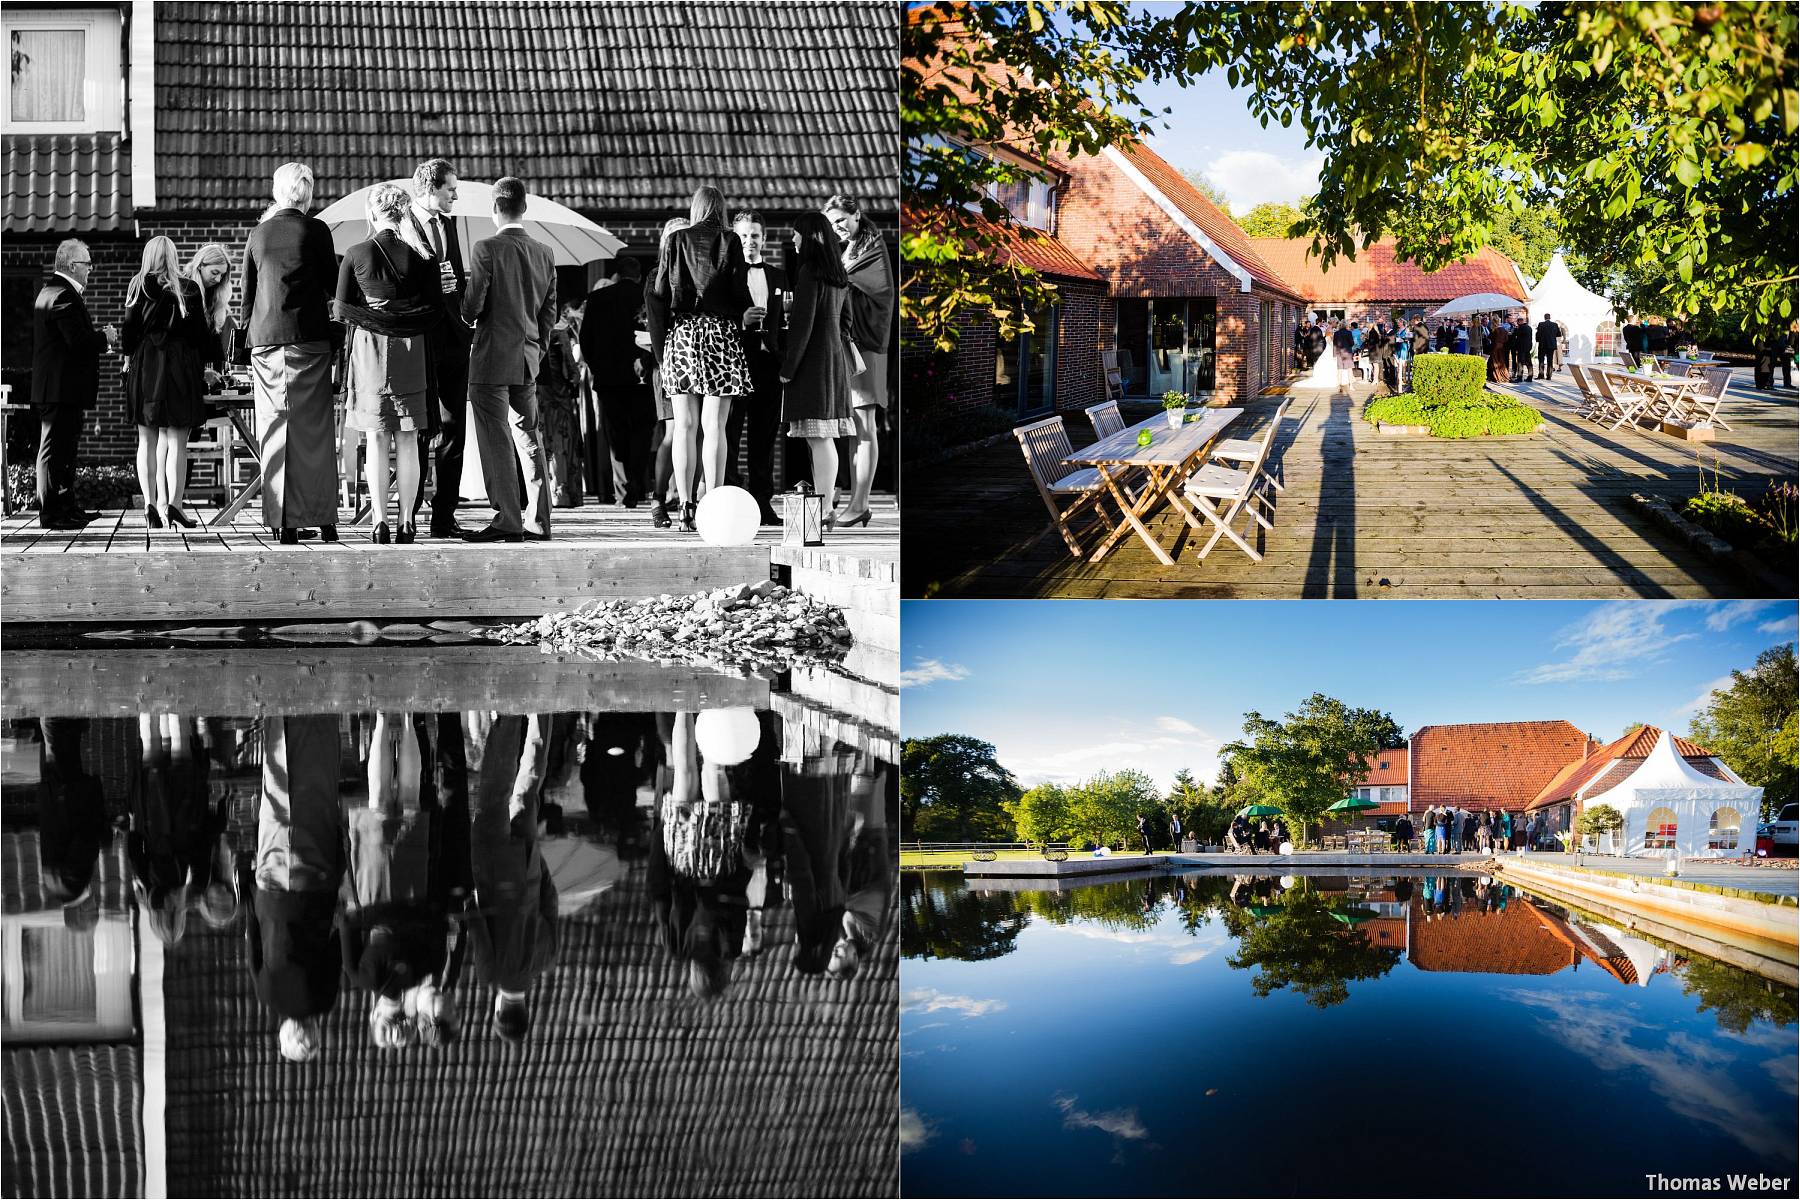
(852, 522)
(407, 534)
(687, 518)
(177, 517)
(152, 518)
(380, 537)
(290, 536)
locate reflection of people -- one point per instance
(513, 928)
(868, 874)
(298, 867)
(71, 811)
(623, 753)
(174, 825)
(394, 927)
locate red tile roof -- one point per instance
(67, 183)
(1495, 765)
(1609, 766)
(1389, 808)
(1509, 942)
(1041, 253)
(1214, 223)
(1387, 769)
(1378, 274)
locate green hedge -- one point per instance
(1497, 415)
(1449, 379)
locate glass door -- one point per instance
(1025, 367)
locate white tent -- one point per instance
(1580, 311)
(1668, 804)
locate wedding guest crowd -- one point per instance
(736, 349)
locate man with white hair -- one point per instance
(290, 277)
(65, 381)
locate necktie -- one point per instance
(437, 234)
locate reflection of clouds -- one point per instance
(915, 1131)
(1119, 1122)
(1781, 1065)
(1691, 1077)
(1168, 934)
(930, 1000)
(1191, 955)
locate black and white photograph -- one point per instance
(450, 565)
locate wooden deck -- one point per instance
(1541, 515)
(117, 570)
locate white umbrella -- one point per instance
(580, 869)
(1479, 302)
(575, 240)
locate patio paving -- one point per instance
(1544, 515)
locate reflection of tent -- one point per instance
(581, 870)
(1669, 804)
(1579, 311)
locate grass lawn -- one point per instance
(947, 859)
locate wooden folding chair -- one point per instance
(1630, 398)
(1249, 450)
(1215, 487)
(1590, 401)
(1106, 418)
(1112, 380)
(1700, 406)
(1046, 444)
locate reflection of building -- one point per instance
(1673, 795)
(1504, 941)
(1379, 284)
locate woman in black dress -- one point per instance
(171, 349)
(815, 368)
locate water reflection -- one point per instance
(378, 950)
(1146, 1023)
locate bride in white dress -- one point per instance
(1324, 372)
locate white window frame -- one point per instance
(103, 92)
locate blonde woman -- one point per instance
(171, 348)
(387, 293)
(871, 328)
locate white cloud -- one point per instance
(1705, 697)
(930, 670)
(1252, 177)
(1613, 642)
(1720, 617)
(915, 1131)
(1120, 1122)
(1174, 745)
(1177, 725)
(930, 1000)
(1781, 624)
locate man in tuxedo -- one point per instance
(621, 379)
(1549, 333)
(430, 229)
(65, 381)
(760, 333)
(511, 302)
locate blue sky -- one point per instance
(1211, 128)
(1064, 688)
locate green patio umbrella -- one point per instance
(1259, 810)
(1353, 916)
(1262, 910)
(1352, 804)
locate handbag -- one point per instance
(857, 365)
(240, 346)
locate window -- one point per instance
(1025, 367)
(66, 75)
(1722, 829)
(1030, 201)
(1166, 344)
(1659, 829)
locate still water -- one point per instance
(1218, 1035)
(471, 922)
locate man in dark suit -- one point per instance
(1549, 334)
(65, 382)
(431, 230)
(760, 333)
(621, 378)
(511, 302)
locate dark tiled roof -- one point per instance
(72, 1123)
(602, 107)
(787, 1085)
(1215, 224)
(67, 183)
(1503, 764)
(1379, 274)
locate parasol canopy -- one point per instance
(1477, 302)
(1259, 810)
(581, 870)
(575, 240)
(1352, 804)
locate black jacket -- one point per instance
(768, 340)
(290, 273)
(609, 326)
(65, 348)
(702, 271)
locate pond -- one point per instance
(1207, 1034)
(471, 920)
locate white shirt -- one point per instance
(759, 285)
(433, 232)
(75, 283)
(512, 225)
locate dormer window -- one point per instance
(65, 73)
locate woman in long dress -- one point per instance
(815, 368)
(388, 295)
(172, 352)
(871, 325)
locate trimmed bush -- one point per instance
(1449, 379)
(1490, 416)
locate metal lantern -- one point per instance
(802, 517)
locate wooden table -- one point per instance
(235, 405)
(1670, 389)
(1166, 463)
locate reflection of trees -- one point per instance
(1736, 997)
(1121, 905)
(940, 918)
(1304, 947)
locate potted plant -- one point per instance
(1175, 405)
